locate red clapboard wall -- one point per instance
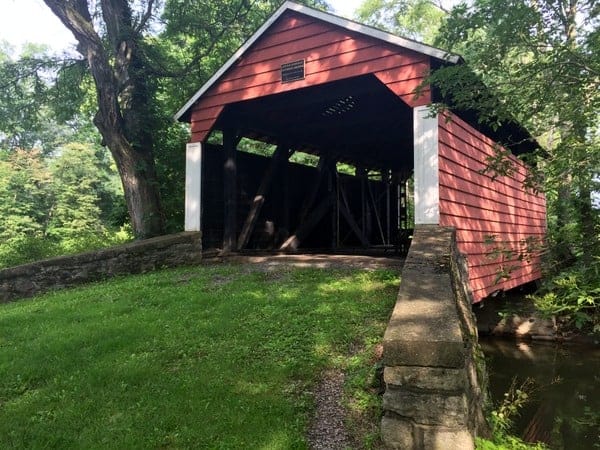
(480, 207)
(331, 53)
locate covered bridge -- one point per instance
(312, 82)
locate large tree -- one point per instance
(114, 51)
(131, 63)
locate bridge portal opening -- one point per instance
(323, 167)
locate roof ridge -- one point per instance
(326, 17)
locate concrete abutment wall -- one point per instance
(435, 379)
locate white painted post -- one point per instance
(427, 190)
(193, 186)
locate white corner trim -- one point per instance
(326, 17)
(193, 187)
(427, 186)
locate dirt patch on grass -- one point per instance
(269, 262)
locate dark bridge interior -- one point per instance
(357, 120)
(356, 195)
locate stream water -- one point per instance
(565, 408)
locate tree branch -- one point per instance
(31, 67)
(76, 17)
(144, 19)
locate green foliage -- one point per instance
(72, 92)
(26, 113)
(516, 50)
(514, 400)
(216, 356)
(305, 159)
(25, 194)
(509, 257)
(170, 168)
(416, 19)
(502, 420)
(507, 442)
(573, 295)
(75, 184)
(57, 204)
(538, 62)
(25, 249)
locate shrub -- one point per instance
(573, 297)
(502, 420)
(24, 249)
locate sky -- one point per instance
(24, 21)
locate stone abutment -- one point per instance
(434, 374)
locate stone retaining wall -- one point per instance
(142, 256)
(433, 376)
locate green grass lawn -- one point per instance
(209, 357)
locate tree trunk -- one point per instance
(140, 187)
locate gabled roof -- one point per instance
(325, 17)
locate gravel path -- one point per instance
(327, 431)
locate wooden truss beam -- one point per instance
(308, 225)
(281, 154)
(230, 141)
(344, 208)
(309, 220)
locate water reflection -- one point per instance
(565, 412)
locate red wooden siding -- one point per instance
(331, 53)
(479, 207)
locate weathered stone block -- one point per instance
(428, 408)
(427, 378)
(397, 433)
(424, 329)
(439, 438)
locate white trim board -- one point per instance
(426, 157)
(193, 187)
(325, 17)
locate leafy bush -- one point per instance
(502, 420)
(507, 442)
(573, 296)
(89, 241)
(25, 249)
